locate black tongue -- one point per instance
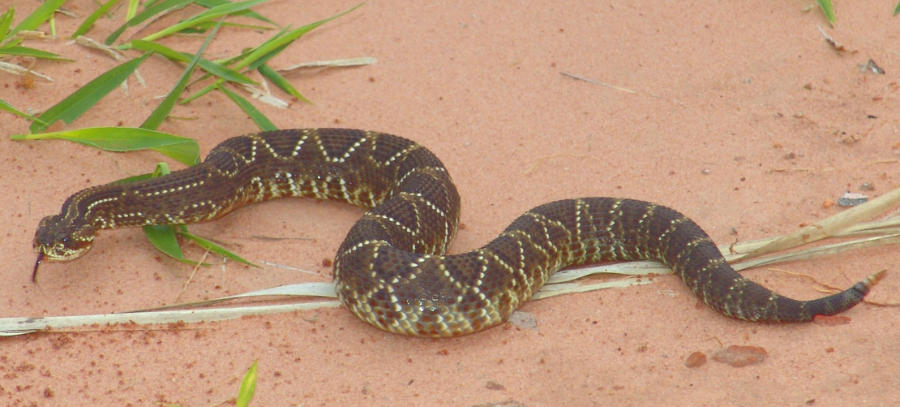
(37, 264)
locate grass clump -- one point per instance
(224, 75)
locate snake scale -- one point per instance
(392, 270)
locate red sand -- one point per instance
(741, 116)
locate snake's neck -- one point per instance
(104, 207)
(169, 199)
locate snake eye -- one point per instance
(66, 240)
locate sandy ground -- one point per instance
(738, 113)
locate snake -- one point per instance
(392, 270)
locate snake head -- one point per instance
(60, 239)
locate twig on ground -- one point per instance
(596, 82)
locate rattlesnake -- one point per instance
(392, 270)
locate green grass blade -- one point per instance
(82, 99)
(149, 12)
(12, 41)
(162, 111)
(17, 112)
(215, 248)
(52, 23)
(207, 65)
(211, 14)
(248, 13)
(269, 49)
(225, 73)
(132, 9)
(88, 22)
(32, 52)
(148, 46)
(202, 27)
(164, 239)
(228, 61)
(259, 55)
(287, 38)
(5, 22)
(201, 92)
(248, 387)
(828, 9)
(260, 119)
(161, 169)
(265, 58)
(38, 17)
(281, 82)
(897, 9)
(119, 139)
(247, 51)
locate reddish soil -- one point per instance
(737, 113)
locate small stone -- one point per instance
(695, 360)
(740, 356)
(492, 385)
(852, 199)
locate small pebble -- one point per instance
(852, 199)
(492, 385)
(740, 356)
(695, 360)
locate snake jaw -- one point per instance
(58, 239)
(64, 249)
(59, 249)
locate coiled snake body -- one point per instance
(391, 270)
